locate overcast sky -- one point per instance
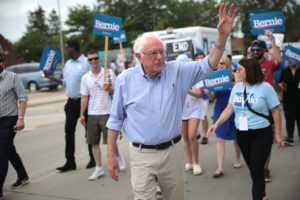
(14, 14)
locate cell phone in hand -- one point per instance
(16, 128)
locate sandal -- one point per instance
(218, 173)
(237, 164)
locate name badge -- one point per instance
(243, 123)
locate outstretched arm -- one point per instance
(226, 18)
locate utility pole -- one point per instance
(61, 36)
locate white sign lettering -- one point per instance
(216, 81)
(180, 46)
(49, 60)
(260, 24)
(292, 55)
(106, 26)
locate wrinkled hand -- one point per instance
(20, 124)
(279, 141)
(82, 120)
(113, 168)
(46, 73)
(226, 18)
(105, 87)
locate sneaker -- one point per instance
(197, 169)
(289, 141)
(204, 140)
(97, 174)
(122, 163)
(267, 176)
(19, 183)
(188, 167)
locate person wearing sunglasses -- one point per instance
(226, 131)
(258, 49)
(149, 100)
(12, 93)
(73, 71)
(96, 97)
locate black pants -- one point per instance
(72, 110)
(8, 150)
(292, 114)
(255, 146)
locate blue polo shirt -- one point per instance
(73, 72)
(153, 109)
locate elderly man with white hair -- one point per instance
(149, 98)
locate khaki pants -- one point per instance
(165, 167)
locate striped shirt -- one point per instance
(92, 86)
(11, 90)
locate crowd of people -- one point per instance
(157, 103)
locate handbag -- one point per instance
(257, 113)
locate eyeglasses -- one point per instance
(222, 63)
(258, 50)
(91, 59)
(154, 54)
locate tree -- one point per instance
(53, 23)
(37, 20)
(40, 33)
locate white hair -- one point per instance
(140, 42)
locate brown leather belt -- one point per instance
(158, 146)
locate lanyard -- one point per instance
(243, 101)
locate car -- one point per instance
(32, 77)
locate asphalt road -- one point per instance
(41, 146)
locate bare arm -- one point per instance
(47, 74)
(276, 51)
(198, 93)
(226, 18)
(277, 122)
(22, 109)
(83, 105)
(113, 165)
(223, 117)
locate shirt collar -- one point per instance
(79, 59)
(141, 71)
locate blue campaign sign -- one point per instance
(220, 80)
(273, 21)
(120, 39)
(292, 55)
(49, 59)
(107, 25)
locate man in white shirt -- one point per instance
(97, 95)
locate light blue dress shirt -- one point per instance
(153, 109)
(73, 72)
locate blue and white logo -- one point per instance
(107, 25)
(220, 80)
(120, 39)
(49, 59)
(292, 55)
(273, 21)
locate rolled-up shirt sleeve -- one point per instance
(20, 90)
(117, 112)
